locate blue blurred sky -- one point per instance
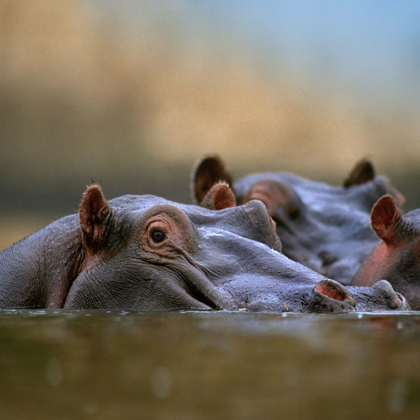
(377, 41)
(369, 49)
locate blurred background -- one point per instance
(131, 93)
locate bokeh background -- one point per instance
(131, 93)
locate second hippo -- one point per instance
(324, 227)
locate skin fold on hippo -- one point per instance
(396, 257)
(324, 227)
(149, 254)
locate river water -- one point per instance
(210, 365)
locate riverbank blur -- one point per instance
(131, 95)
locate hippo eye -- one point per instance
(158, 236)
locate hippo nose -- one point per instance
(394, 300)
(260, 225)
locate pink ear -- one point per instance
(384, 216)
(94, 214)
(219, 197)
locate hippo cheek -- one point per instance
(329, 296)
(151, 289)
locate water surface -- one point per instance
(189, 365)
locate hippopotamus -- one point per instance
(146, 253)
(324, 227)
(396, 257)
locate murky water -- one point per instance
(125, 365)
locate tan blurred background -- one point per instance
(131, 93)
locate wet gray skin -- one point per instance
(324, 227)
(147, 253)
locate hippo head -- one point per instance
(144, 252)
(396, 258)
(147, 253)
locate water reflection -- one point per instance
(189, 365)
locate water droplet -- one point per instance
(284, 314)
(53, 372)
(399, 325)
(161, 382)
(90, 409)
(359, 316)
(397, 395)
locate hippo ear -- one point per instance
(362, 172)
(219, 197)
(384, 216)
(274, 194)
(208, 171)
(94, 217)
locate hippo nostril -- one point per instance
(329, 296)
(335, 291)
(393, 299)
(403, 302)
